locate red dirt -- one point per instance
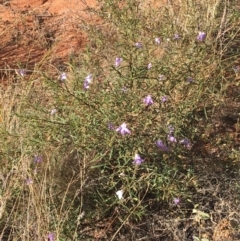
(33, 30)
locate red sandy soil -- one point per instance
(35, 30)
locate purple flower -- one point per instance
(118, 62)
(63, 76)
(186, 143)
(149, 66)
(176, 201)
(172, 139)
(87, 81)
(201, 36)
(137, 160)
(171, 129)
(148, 100)
(124, 89)
(53, 111)
(110, 126)
(190, 79)
(164, 99)
(29, 181)
(85, 85)
(157, 41)
(176, 36)
(138, 45)
(162, 77)
(123, 129)
(37, 159)
(236, 69)
(50, 236)
(162, 146)
(21, 72)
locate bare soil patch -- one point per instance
(34, 30)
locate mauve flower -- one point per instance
(123, 129)
(87, 81)
(37, 159)
(176, 201)
(50, 236)
(236, 69)
(110, 126)
(124, 89)
(162, 146)
(171, 129)
(148, 100)
(29, 181)
(157, 40)
(176, 36)
(164, 99)
(149, 66)
(119, 193)
(162, 77)
(21, 72)
(201, 36)
(185, 142)
(138, 45)
(86, 85)
(190, 79)
(137, 160)
(53, 111)
(63, 76)
(118, 62)
(172, 139)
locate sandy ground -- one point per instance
(33, 30)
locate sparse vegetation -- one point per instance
(138, 138)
